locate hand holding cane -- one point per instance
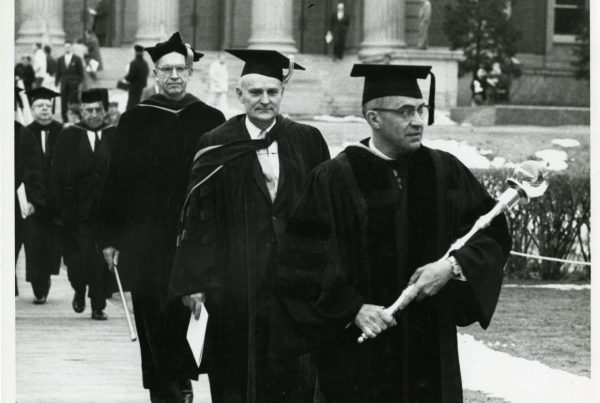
(124, 302)
(114, 260)
(527, 182)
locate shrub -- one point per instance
(555, 225)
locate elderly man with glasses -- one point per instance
(41, 238)
(371, 221)
(145, 189)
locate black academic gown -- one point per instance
(28, 172)
(78, 174)
(42, 236)
(228, 249)
(355, 238)
(140, 207)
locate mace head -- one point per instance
(529, 179)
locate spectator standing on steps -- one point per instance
(69, 76)
(338, 29)
(137, 77)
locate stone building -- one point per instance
(385, 28)
(291, 25)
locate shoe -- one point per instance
(99, 315)
(79, 302)
(39, 301)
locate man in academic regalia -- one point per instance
(78, 171)
(28, 174)
(42, 236)
(244, 183)
(373, 220)
(144, 193)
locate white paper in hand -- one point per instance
(196, 333)
(23, 202)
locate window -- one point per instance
(567, 19)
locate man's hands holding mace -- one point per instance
(426, 281)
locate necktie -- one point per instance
(271, 177)
(96, 141)
(399, 169)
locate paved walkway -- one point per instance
(67, 357)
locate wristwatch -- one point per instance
(457, 273)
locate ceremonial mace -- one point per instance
(122, 294)
(527, 182)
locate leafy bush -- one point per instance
(555, 225)
(484, 31)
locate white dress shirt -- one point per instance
(43, 138)
(268, 157)
(92, 137)
(68, 57)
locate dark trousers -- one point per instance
(43, 253)
(135, 94)
(86, 265)
(339, 45)
(290, 380)
(68, 94)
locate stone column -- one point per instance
(157, 20)
(272, 26)
(383, 27)
(41, 21)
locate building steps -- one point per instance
(324, 88)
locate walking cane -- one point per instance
(127, 316)
(528, 182)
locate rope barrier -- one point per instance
(552, 259)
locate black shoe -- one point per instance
(79, 301)
(39, 301)
(99, 315)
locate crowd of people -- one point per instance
(294, 254)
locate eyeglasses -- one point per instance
(40, 104)
(167, 70)
(92, 109)
(407, 112)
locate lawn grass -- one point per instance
(515, 143)
(547, 325)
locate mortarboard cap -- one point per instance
(174, 44)
(95, 95)
(42, 93)
(138, 48)
(382, 80)
(268, 63)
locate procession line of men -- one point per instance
(293, 254)
(61, 195)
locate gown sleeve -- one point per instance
(318, 267)
(483, 257)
